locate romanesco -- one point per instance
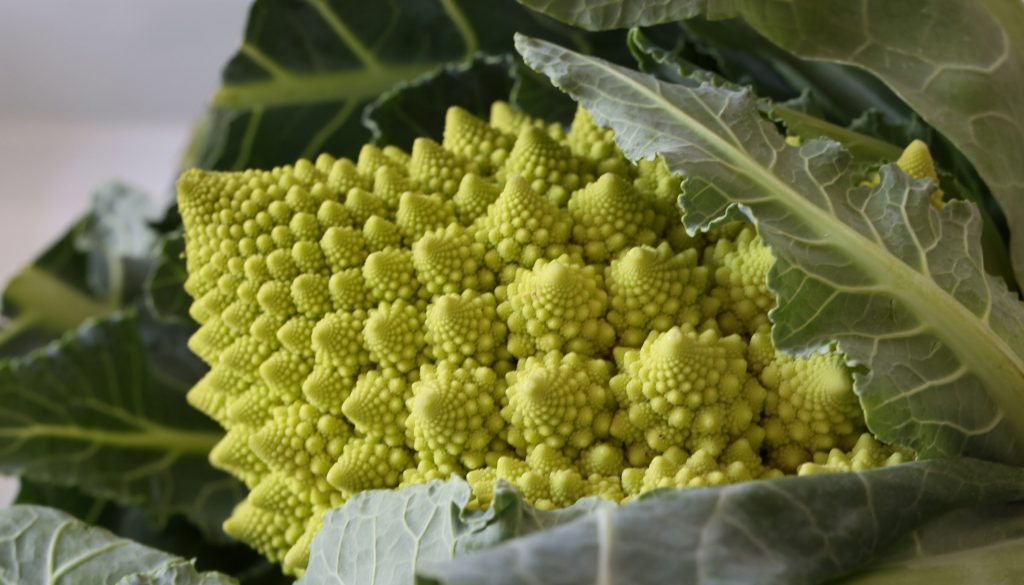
(517, 303)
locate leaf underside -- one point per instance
(418, 525)
(805, 530)
(43, 546)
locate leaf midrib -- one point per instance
(298, 89)
(153, 439)
(963, 339)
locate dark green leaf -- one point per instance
(104, 410)
(165, 286)
(899, 284)
(787, 531)
(534, 94)
(380, 537)
(43, 546)
(418, 108)
(673, 67)
(306, 69)
(840, 91)
(95, 268)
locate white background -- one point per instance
(93, 91)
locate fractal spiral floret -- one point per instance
(517, 303)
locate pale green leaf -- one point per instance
(958, 63)
(381, 537)
(104, 410)
(786, 531)
(871, 139)
(899, 284)
(43, 546)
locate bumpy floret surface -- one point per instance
(516, 303)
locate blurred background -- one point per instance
(95, 91)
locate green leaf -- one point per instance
(418, 108)
(306, 70)
(840, 91)
(959, 64)
(177, 536)
(603, 15)
(43, 546)
(165, 286)
(95, 268)
(977, 545)
(793, 530)
(899, 284)
(380, 537)
(669, 66)
(871, 139)
(104, 410)
(532, 93)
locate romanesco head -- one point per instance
(516, 303)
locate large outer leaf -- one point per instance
(307, 68)
(177, 536)
(899, 284)
(380, 537)
(958, 63)
(871, 139)
(96, 267)
(669, 66)
(787, 531)
(43, 546)
(417, 109)
(976, 545)
(104, 410)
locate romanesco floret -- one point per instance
(653, 289)
(449, 260)
(465, 329)
(810, 407)
(916, 161)
(609, 215)
(522, 227)
(690, 390)
(561, 401)
(558, 305)
(741, 281)
(395, 337)
(597, 145)
(376, 405)
(454, 417)
(473, 198)
(516, 303)
(867, 453)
